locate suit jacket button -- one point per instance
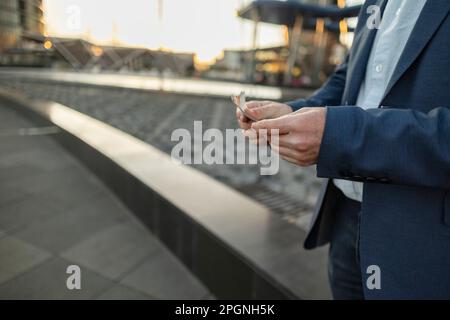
(385, 180)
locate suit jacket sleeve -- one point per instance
(330, 94)
(387, 145)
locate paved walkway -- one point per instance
(55, 213)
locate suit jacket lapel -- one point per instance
(433, 13)
(361, 56)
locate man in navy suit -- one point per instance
(379, 130)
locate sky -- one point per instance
(204, 27)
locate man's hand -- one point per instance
(261, 110)
(300, 134)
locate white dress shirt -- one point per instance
(397, 24)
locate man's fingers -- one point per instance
(291, 160)
(260, 109)
(288, 141)
(286, 152)
(282, 124)
(253, 136)
(256, 104)
(241, 117)
(245, 125)
(264, 112)
(244, 122)
(290, 155)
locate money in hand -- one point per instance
(240, 101)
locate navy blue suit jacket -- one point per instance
(401, 151)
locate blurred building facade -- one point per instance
(312, 48)
(31, 16)
(10, 28)
(23, 43)
(18, 17)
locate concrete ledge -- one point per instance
(235, 246)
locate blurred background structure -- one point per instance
(146, 68)
(309, 38)
(19, 18)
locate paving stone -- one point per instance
(18, 256)
(9, 195)
(121, 292)
(29, 180)
(66, 229)
(114, 251)
(25, 151)
(49, 281)
(18, 215)
(75, 190)
(164, 277)
(209, 296)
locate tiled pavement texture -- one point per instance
(55, 213)
(153, 116)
